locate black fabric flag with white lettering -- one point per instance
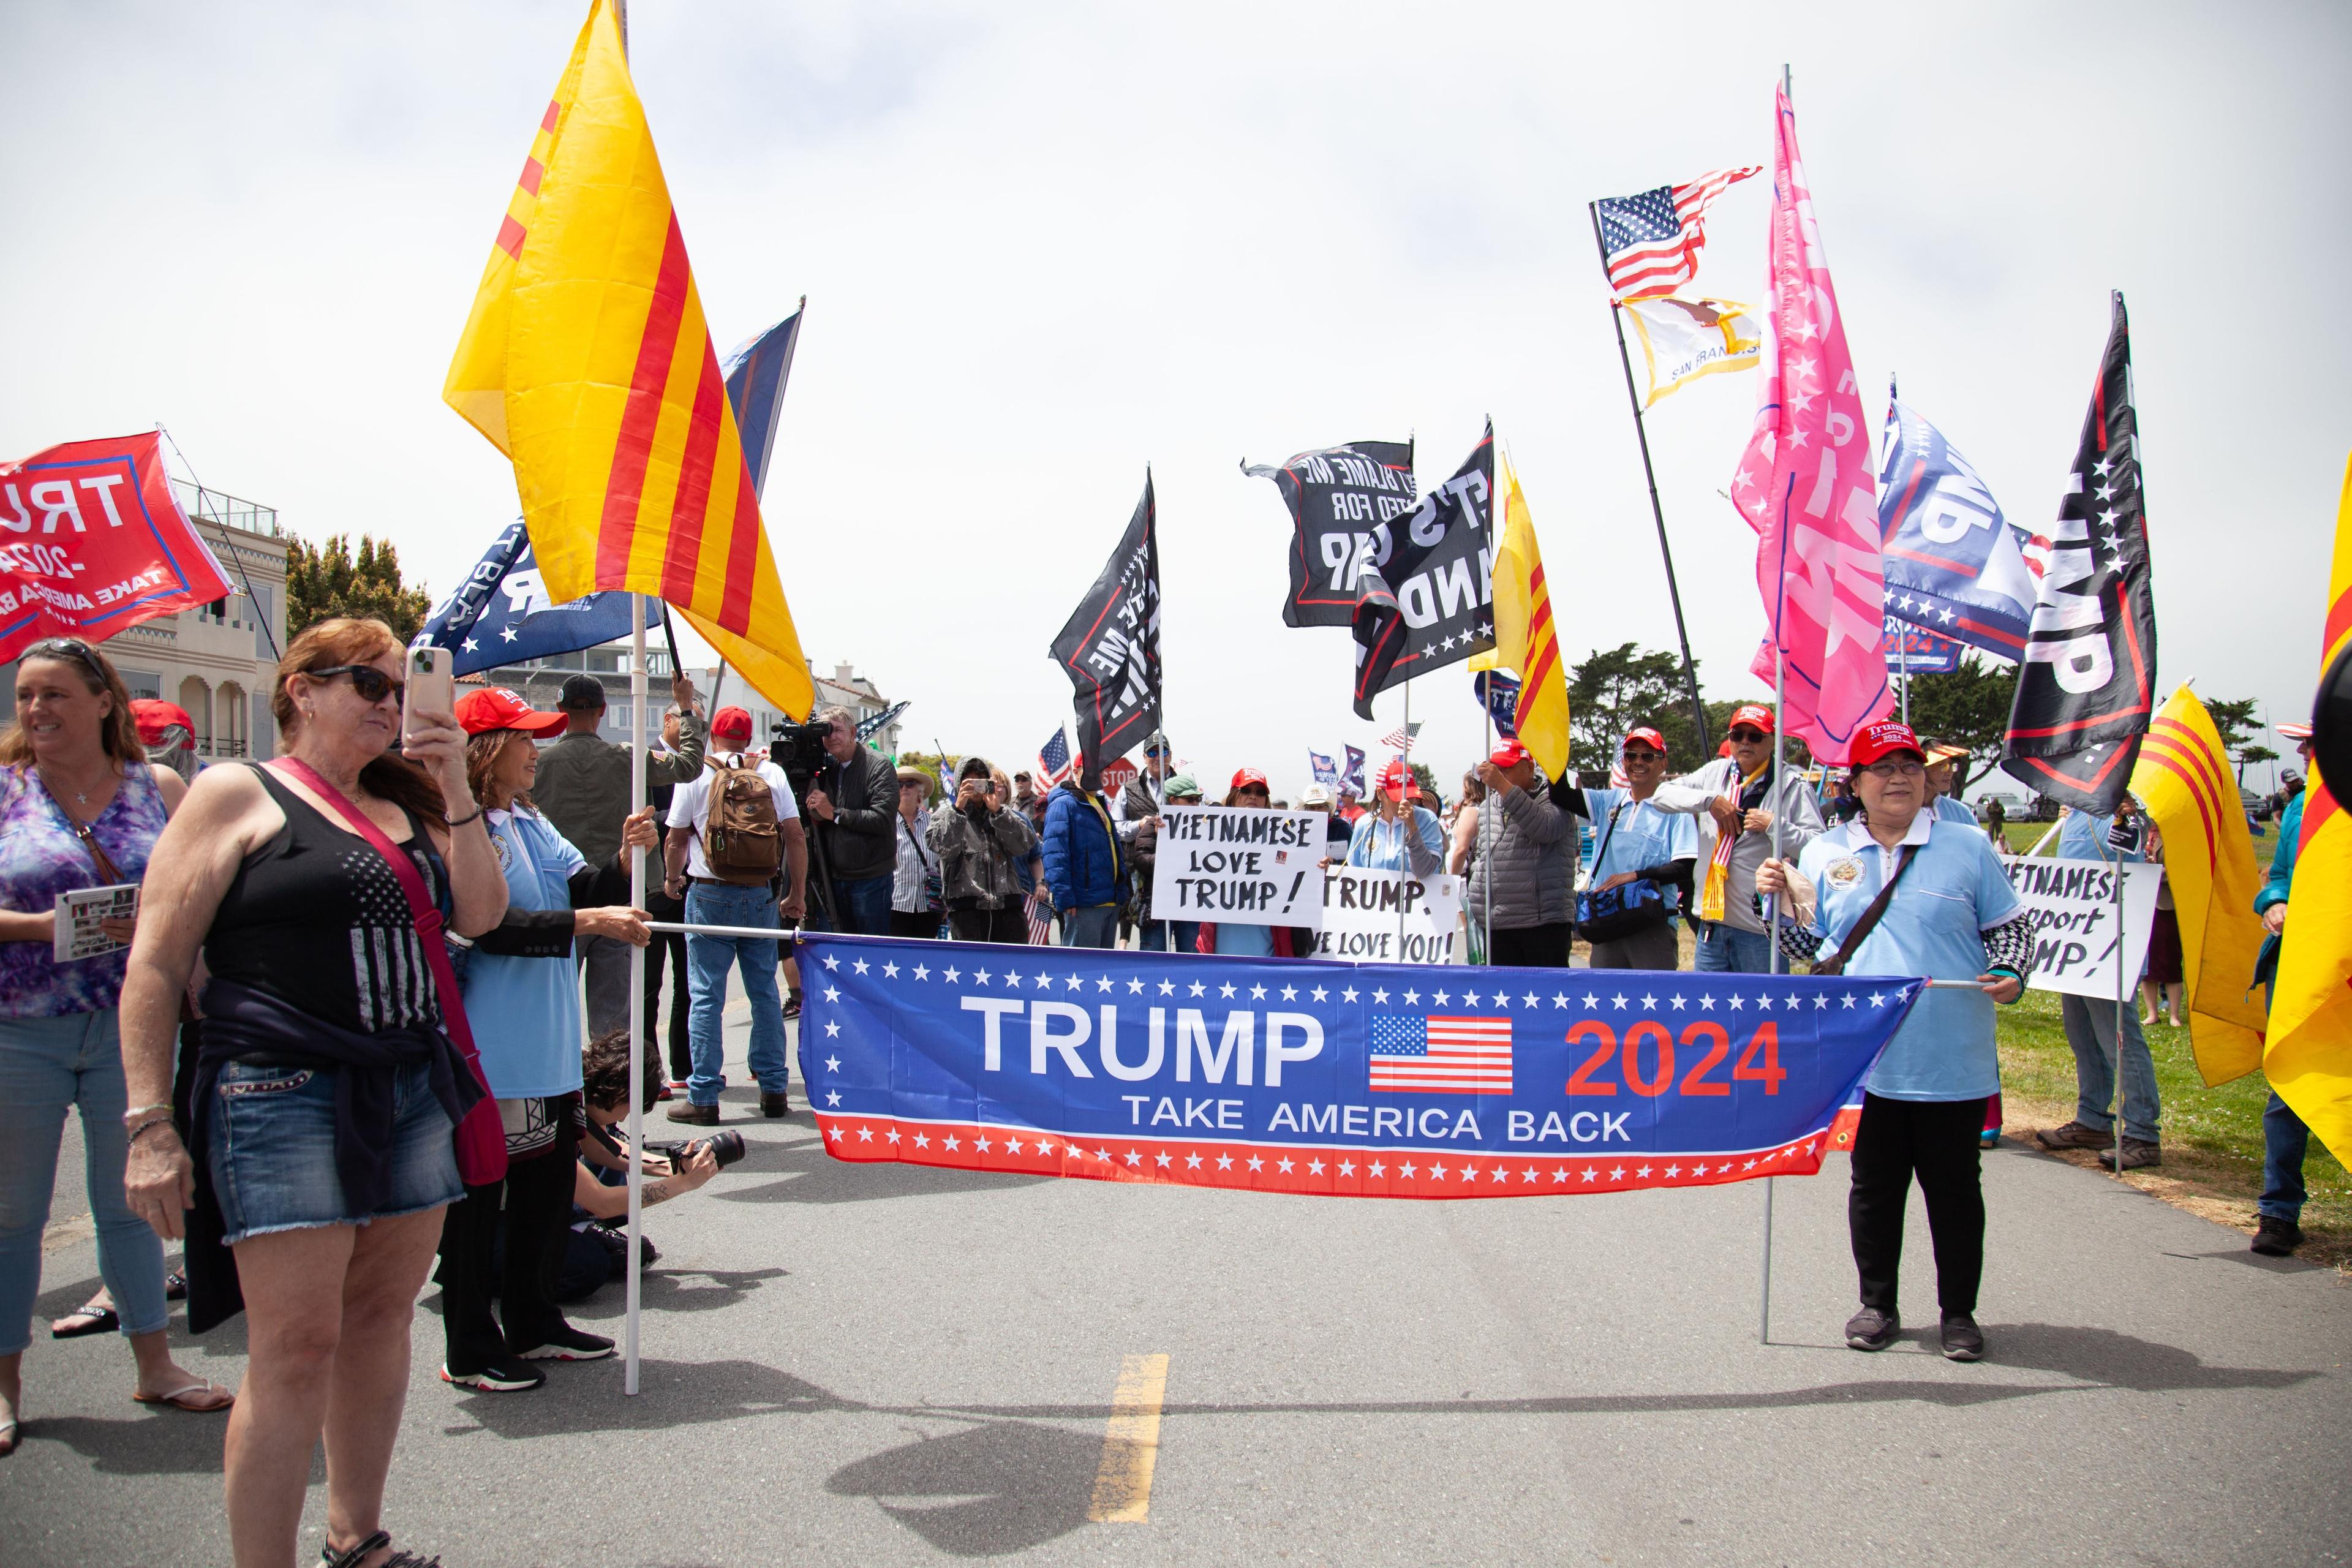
(1429, 601)
(2087, 679)
(1111, 647)
(1341, 501)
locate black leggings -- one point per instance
(1010, 924)
(921, 922)
(1530, 947)
(538, 1193)
(1934, 1140)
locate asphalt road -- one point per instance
(885, 1365)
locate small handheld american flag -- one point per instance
(1041, 918)
(1054, 763)
(1401, 738)
(1652, 240)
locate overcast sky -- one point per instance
(1045, 245)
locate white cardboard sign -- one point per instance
(1236, 865)
(1388, 917)
(2071, 906)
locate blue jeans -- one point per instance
(863, 905)
(708, 959)
(2284, 1141)
(1097, 926)
(1157, 935)
(47, 1065)
(1727, 950)
(2091, 1031)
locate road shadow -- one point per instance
(587, 1398)
(151, 1443)
(2104, 1357)
(664, 1289)
(816, 1177)
(1006, 1486)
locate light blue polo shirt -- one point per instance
(1643, 836)
(1950, 810)
(1377, 846)
(2084, 837)
(1955, 891)
(525, 1012)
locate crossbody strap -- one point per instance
(1601, 851)
(1852, 944)
(106, 870)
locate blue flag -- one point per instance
(1954, 565)
(756, 373)
(1913, 650)
(1313, 1076)
(1500, 695)
(1351, 778)
(499, 613)
(1326, 771)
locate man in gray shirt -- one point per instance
(582, 789)
(1737, 798)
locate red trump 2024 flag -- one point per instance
(1805, 485)
(92, 541)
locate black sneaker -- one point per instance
(504, 1375)
(792, 1005)
(568, 1343)
(2276, 1238)
(1963, 1341)
(1871, 1330)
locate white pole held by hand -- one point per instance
(637, 696)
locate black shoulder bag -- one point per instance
(1621, 911)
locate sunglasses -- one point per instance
(74, 648)
(1749, 737)
(372, 684)
(912, 783)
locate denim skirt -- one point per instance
(272, 1150)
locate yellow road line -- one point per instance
(1130, 1442)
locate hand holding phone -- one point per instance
(431, 696)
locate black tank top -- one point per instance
(318, 920)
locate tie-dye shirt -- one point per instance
(41, 857)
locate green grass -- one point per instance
(2213, 1137)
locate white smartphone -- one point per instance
(431, 689)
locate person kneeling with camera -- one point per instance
(599, 1248)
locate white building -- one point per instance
(538, 680)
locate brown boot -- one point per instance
(693, 1115)
(2138, 1152)
(2074, 1135)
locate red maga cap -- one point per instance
(1509, 754)
(1247, 776)
(1395, 776)
(496, 708)
(1882, 740)
(1649, 738)
(1754, 715)
(731, 722)
(153, 716)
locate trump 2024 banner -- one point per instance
(1349, 1080)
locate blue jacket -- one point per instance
(1084, 866)
(2274, 891)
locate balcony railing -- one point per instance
(227, 511)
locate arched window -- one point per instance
(197, 699)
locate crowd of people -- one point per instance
(342, 1038)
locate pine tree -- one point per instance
(327, 582)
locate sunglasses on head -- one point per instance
(372, 684)
(74, 648)
(1747, 737)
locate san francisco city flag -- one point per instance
(2185, 780)
(2308, 1054)
(1525, 638)
(587, 361)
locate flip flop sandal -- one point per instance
(354, 1556)
(178, 1399)
(102, 1321)
(12, 1437)
(175, 1287)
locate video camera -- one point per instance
(799, 750)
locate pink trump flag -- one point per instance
(1805, 485)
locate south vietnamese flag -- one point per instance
(1805, 485)
(588, 362)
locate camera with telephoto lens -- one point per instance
(725, 1147)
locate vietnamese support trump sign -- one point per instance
(2079, 933)
(1351, 1081)
(92, 541)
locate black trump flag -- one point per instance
(2086, 683)
(1341, 501)
(1426, 597)
(1110, 647)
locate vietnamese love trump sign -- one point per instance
(1239, 866)
(1344, 1079)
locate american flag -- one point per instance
(1041, 918)
(1423, 1053)
(1653, 240)
(1054, 763)
(1401, 738)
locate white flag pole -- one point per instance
(638, 695)
(1772, 911)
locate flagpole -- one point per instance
(1772, 931)
(1657, 512)
(638, 695)
(1405, 793)
(2123, 987)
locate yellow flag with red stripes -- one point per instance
(1525, 638)
(2308, 1054)
(2185, 780)
(588, 362)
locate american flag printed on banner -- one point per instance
(1417, 1053)
(1054, 763)
(1653, 240)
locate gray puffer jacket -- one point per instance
(1524, 849)
(979, 858)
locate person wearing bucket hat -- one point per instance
(1736, 798)
(1336, 831)
(1162, 936)
(917, 907)
(1896, 892)
(522, 999)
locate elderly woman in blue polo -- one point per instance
(1896, 892)
(522, 998)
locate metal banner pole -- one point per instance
(1772, 947)
(1404, 815)
(638, 695)
(2123, 988)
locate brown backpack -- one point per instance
(740, 838)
